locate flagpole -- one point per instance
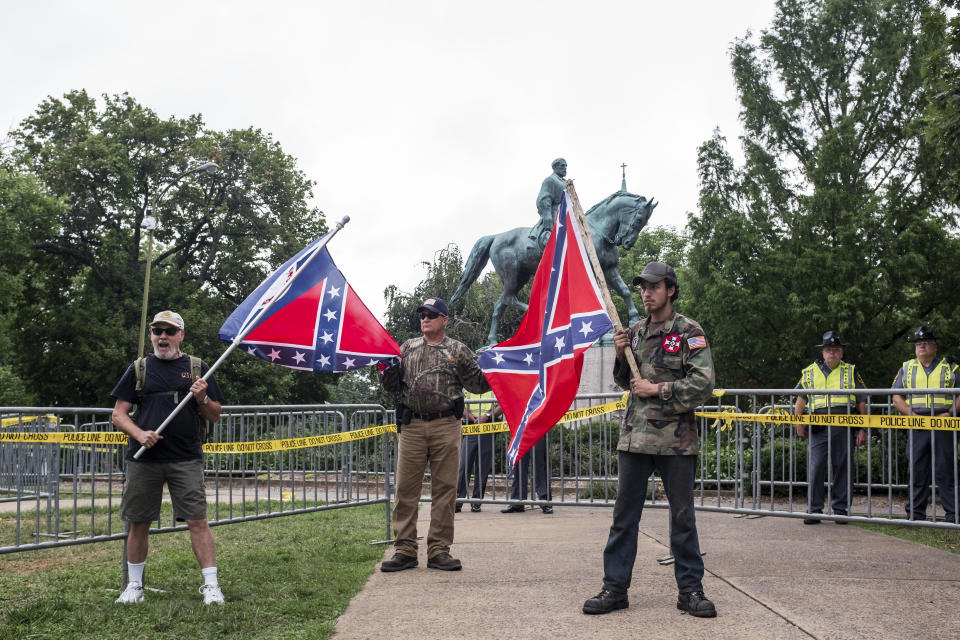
(243, 333)
(598, 272)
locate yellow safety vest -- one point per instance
(840, 378)
(480, 408)
(914, 377)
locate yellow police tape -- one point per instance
(286, 444)
(67, 437)
(931, 423)
(15, 422)
(569, 416)
(723, 420)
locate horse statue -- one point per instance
(614, 222)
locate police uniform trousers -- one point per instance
(940, 447)
(436, 442)
(476, 458)
(678, 474)
(541, 475)
(836, 444)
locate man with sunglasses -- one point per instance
(174, 458)
(431, 376)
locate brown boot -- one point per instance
(444, 562)
(398, 562)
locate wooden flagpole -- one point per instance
(598, 272)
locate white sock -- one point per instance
(135, 569)
(210, 576)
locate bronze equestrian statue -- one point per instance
(615, 222)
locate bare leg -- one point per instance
(138, 542)
(202, 540)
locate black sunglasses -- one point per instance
(433, 315)
(159, 331)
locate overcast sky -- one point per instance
(427, 123)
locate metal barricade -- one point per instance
(66, 493)
(751, 461)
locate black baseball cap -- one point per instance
(434, 304)
(831, 339)
(655, 272)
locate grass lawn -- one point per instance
(946, 539)
(288, 577)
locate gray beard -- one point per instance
(172, 356)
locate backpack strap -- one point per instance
(194, 368)
(140, 369)
(202, 424)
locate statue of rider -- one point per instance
(551, 191)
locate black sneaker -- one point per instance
(605, 602)
(458, 507)
(840, 513)
(812, 520)
(514, 508)
(696, 604)
(475, 508)
(547, 509)
(398, 562)
(444, 562)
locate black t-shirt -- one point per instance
(181, 438)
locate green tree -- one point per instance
(78, 314)
(469, 317)
(834, 220)
(943, 113)
(659, 244)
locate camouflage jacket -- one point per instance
(434, 375)
(678, 355)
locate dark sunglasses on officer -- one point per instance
(431, 315)
(159, 331)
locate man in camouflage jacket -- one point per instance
(433, 372)
(658, 433)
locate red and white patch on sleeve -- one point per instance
(672, 343)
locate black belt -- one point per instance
(434, 416)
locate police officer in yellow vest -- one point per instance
(476, 450)
(927, 371)
(830, 372)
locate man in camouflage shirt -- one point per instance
(433, 371)
(659, 432)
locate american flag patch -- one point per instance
(697, 342)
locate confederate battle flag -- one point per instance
(536, 373)
(306, 316)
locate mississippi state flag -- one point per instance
(536, 373)
(306, 316)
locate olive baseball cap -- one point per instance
(655, 272)
(168, 317)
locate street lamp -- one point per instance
(149, 224)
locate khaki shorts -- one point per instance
(143, 490)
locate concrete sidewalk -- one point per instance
(526, 575)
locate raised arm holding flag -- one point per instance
(305, 316)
